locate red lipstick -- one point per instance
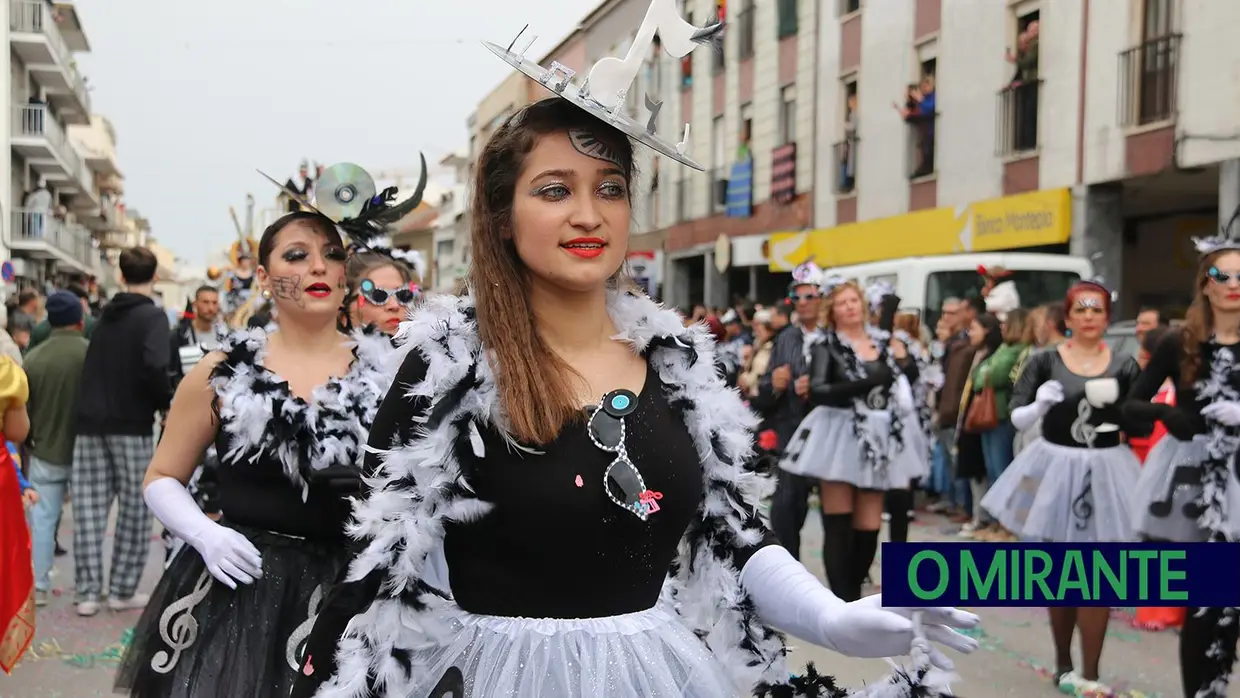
(587, 248)
(319, 290)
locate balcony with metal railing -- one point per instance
(39, 138)
(40, 235)
(37, 41)
(845, 162)
(1017, 114)
(1149, 81)
(921, 144)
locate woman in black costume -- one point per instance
(1075, 483)
(561, 505)
(1188, 490)
(288, 414)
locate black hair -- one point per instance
(78, 291)
(317, 221)
(205, 288)
(994, 332)
(1154, 337)
(138, 265)
(26, 296)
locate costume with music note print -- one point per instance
(1075, 482)
(282, 464)
(1185, 490)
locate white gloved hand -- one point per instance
(230, 556)
(865, 629)
(1049, 393)
(788, 597)
(1225, 412)
(904, 395)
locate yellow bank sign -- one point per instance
(1025, 220)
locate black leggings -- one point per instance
(1196, 667)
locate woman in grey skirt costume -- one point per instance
(862, 437)
(1188, 486)
(1074, 484)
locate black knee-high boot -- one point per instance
(865, 545)
(837, 552)
(898, 504)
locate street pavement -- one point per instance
(74, 657)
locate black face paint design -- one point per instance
(287, 287)
(586, 143)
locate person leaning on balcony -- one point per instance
(43, 330)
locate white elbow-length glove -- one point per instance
(788, 597)
(230, 556)
(1225, 412)
(1049, 394)
(904, 395)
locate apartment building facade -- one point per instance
(1102, 128)
(750, 109)
(50, 187)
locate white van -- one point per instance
(923, 283)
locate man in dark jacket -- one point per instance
(782, 394)
(957, 363)
(197, 334)
(124, 383)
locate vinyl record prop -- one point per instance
(346, 194)
(606, 87)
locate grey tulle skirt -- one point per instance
(1065, 494)
(825, 447)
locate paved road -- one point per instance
(76, 657)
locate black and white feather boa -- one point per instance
(921, 387)
(876, 451)
(420, 486)
(263, 419)
(1222, 444)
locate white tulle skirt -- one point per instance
(1067, 495)
(825, 447)
(648, 654)
(1168, 489)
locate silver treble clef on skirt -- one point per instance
(1082, 431)
(1085, 433)
(177, 626)
(296, 640)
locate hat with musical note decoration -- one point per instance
(1225, 240)
(605, 90)
(346, 195)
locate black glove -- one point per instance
(1180, 424)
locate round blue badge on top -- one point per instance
(620, 403)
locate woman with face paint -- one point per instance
(1188, 491)
(1075, 482)
(288, 413)
(561, 504)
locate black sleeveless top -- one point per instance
(554, 545)
(272, 445)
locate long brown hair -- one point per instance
(535, 385)
(1198, 321)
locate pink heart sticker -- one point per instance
(308, 669)
(579, 482)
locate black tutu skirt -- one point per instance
(199, 639)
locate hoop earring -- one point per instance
(266, 294)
